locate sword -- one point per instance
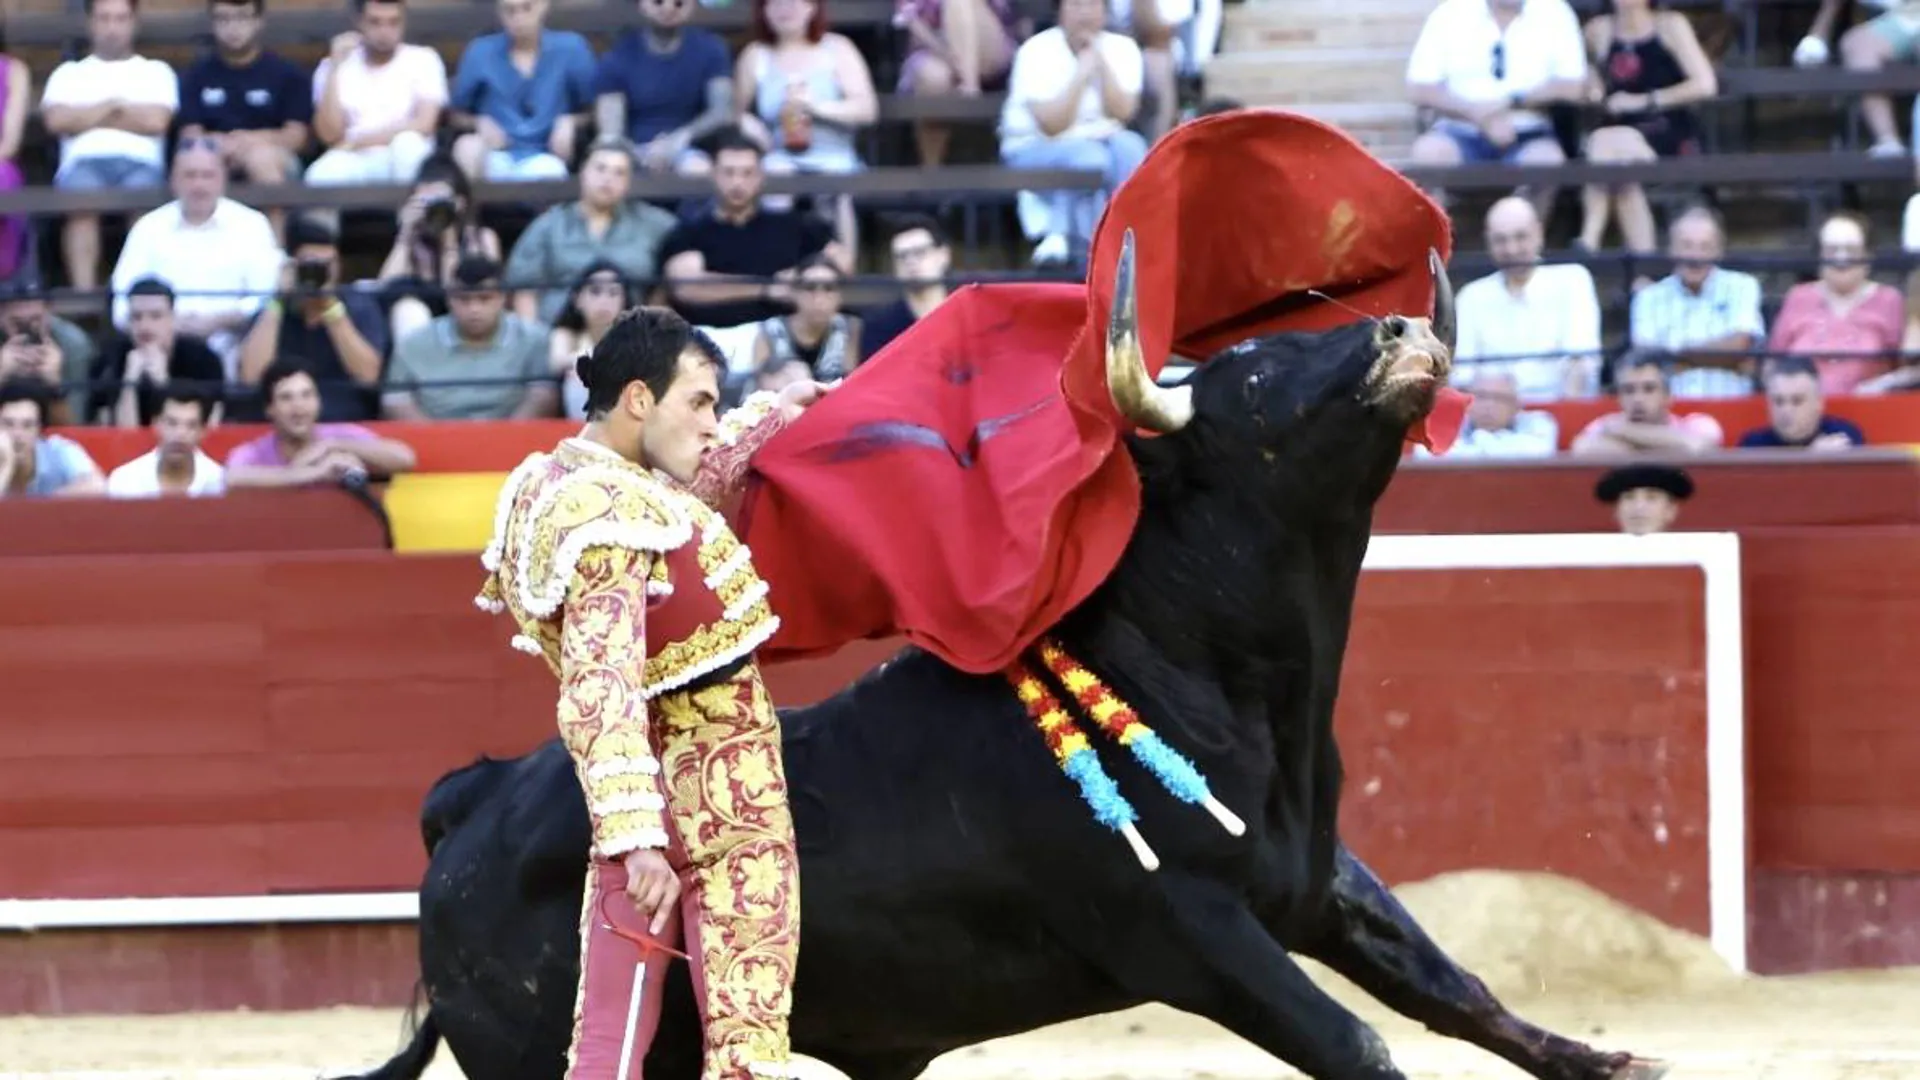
(647, 944)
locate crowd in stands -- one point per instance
(216, 307)
(1495, 81)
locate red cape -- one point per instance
(962, 488)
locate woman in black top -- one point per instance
(1646, 67)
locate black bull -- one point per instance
(954, 887)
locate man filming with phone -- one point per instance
(339, 333)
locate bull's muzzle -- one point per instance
(1413, 359)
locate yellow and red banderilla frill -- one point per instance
(1076, 757)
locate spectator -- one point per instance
(42, 464)
(376, 101)
(151, 358)
(921, 259)
(438, 227)
(818, 335)
(802, 93)
(479, 340)
(255, 104)
(1074, 89)
(300, 450)
(1541, 323)
(954, 46)
(1490, 69)
(603, 225)
(1497, 427)
(1648, 66)
(40, 345)
(1706, 316)
(1843, 311)
(1646, 422)
(598, 297)
(1153, 24)
(519, 94)
(111, 111)
(16, 97)
(666, 86)
(340, 333)
(176, 465)
(1893, 35)
(1797, 413)
(220, 257)
(718, 265)
(1645, 498)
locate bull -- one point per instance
(954, 889)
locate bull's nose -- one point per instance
(1412, 362)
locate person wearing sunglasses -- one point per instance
(666, 86)
(1490, 69)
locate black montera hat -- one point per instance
(1665, 478)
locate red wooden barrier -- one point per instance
(317, 519)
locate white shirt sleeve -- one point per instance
(429, 76)
(135, 262)
(1428, 64)
(1583, 315)
(61, 86)
(1909, 224)
(320, 78)
(263, 273)
(1569, 53)
(158, 85)
(1746, 316)
(1124, 60)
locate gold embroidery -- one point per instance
(747, 621)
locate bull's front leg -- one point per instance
(1373, 941)
(1206, 953)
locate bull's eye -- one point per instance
(1255, 388)
(1396, 326)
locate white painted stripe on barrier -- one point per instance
(204, 910)
(1716, 554)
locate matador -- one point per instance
(611, 554)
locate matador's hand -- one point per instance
(795, 397)
(654, 886)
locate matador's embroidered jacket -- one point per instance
(630, 586)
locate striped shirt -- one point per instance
(1668, 315)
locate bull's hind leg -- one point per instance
(1220, 963)
(1374, 942)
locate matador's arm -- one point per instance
(744, 429)
(603, 708)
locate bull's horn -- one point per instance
(1142, 401)
(1444, 327)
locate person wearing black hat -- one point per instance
(1646, 497)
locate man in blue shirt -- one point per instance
(667, 85)
(1797, 411)
(252, 102)
(519, 95)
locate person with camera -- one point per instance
(36, 343)
(339, 332)
(438, 226)
(135, 368)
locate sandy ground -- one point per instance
(1560, 955)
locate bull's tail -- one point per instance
(414, 1058)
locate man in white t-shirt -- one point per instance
(1072, 92)
(1540, 324)
(1490, 69)
(176, 466)
(376, 101)
(111, 110)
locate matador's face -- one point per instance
(682, 424)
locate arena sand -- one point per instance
(1558, 952)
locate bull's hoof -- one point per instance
(1641, 1069)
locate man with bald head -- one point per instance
(1705, 316)
(1540, 324)
(220, 258)
(1496, 425)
